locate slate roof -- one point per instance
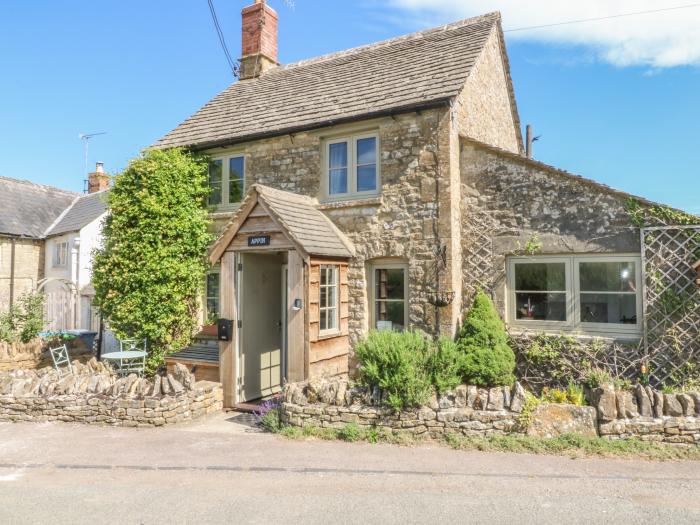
(28, 209)
(297, 214)
(82, 212)
(414, 71)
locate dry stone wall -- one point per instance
(334, 403)
(35, 353)
(642, 414)
(648, 414)
(93, 394)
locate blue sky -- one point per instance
(610, 102)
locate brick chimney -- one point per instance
(259, 40)
(98, 180)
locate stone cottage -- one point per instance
(378, 188)
(46, 240)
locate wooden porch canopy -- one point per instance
(278, 221)
(291, 220)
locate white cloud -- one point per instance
(658, 40)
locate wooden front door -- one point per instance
(261, 325)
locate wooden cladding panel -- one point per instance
(259, 225)
(329, 367)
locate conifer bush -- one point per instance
(445, 365)
(488, 359)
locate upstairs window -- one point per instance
(60, 254)
(226, 181)
(597, 294)
(352, 167)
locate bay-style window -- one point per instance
(60, 254)
(226, 180)
(389, 296)
(329, 298)
(352, 167)
(597, 294)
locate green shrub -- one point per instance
(597, 377)
(397, 363)
(350, 432)
(149, 272)
(445, 364)
(488, 360)
(24, 319)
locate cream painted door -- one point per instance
(261, 332)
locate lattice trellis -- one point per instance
(671, 302)
(478, 257)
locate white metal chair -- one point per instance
(60, 357)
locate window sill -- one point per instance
(351, 203)
(611, 335)
(330, 335)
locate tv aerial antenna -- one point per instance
(85, 137)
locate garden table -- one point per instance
(127, 361)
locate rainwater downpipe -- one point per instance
(12, 271)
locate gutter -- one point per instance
(225, 142)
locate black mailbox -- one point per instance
(224, 329)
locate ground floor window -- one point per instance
(328, 301)
(585, 293)
(211, 300)
(389, 296)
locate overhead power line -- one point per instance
(621, 15)
(231, 63)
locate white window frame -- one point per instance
(352, 193)
(329, 308)
(573, 308)
(226, 178)
(60, 248)
(213, 270)
(380, 265)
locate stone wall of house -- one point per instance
(648, 414)
(484, 108)
(29, 267)
(400, 223)
(92, 394)
(506, 199)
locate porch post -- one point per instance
(227, 349)
(296, 354)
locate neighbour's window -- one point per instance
(389, 297)
(226, 180)
(328, 299)
(60, 254)
(583, 293)
(212, 297)
(352, 167)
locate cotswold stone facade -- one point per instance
(509, 200)
(451, 197)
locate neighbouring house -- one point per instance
(46, 243)
(27, 210)
(379, 188)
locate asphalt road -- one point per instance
(222, 471)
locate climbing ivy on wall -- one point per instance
(149, 273)
(643, 215)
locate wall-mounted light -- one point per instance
(297, 305)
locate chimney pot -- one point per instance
(99, 167)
